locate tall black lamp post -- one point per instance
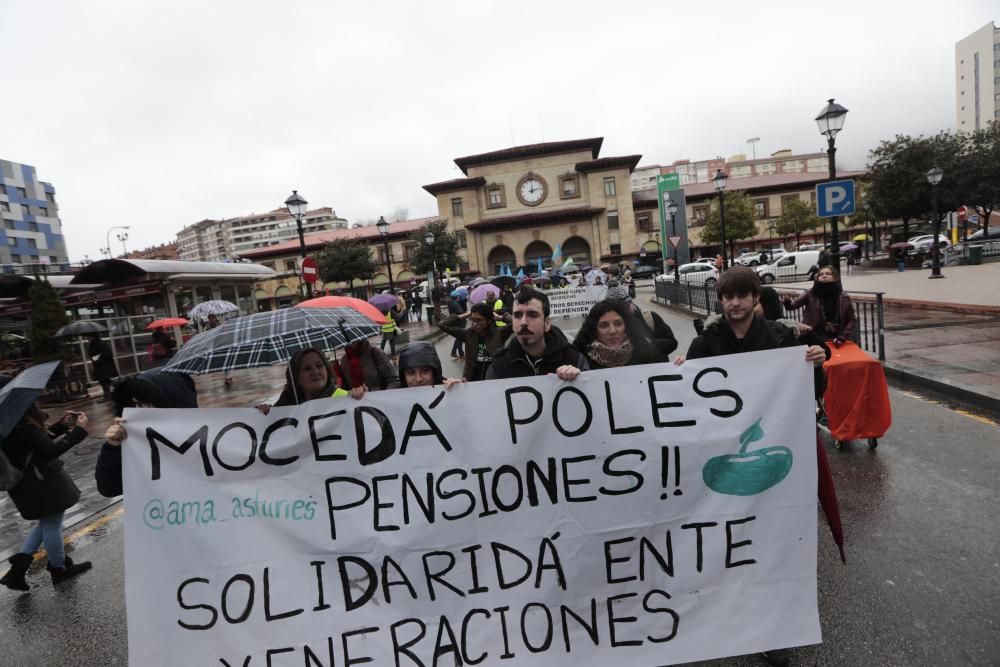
(429, 238)
(934, 176)
(720, 187)
(831, 121)
(296, 205)
(383, 231)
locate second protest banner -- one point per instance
(640, 516)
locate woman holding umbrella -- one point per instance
(44, 492)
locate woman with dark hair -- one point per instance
(310, 376)
(154, 389)
(44, 492)
(609, 338)
(828, 310)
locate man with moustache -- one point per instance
(538, 348)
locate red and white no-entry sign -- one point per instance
(309, 273)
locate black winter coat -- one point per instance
(513, 361)
(660, 332)
(104, 365)
(177, 391)
(46, 488)
(718, 339)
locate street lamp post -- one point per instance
(672, 213)
(934, 176)
(831, 121)
(770, 236)
(429, 238)
(296, 205)
(720, 187)
(123, 237)
(383, 231)
(107, 239)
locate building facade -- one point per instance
(228, 239)
(32, 234)
(164, 251)
(516, 206)
(977, 79)
(285, 288)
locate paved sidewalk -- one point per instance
(963, 288)
(940, 334)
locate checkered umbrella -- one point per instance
(271, 337)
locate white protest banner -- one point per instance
(574, 301)
(638, 516)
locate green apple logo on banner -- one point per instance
(747, 473)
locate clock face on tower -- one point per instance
(531, 190)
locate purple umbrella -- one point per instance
(384, 302)
(848, 246)
(478, 295)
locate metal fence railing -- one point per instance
(869, 309)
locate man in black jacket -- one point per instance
(538, 347)
(739, 330)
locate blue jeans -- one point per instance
(49, 531)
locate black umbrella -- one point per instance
(81, 328)
(18, 394)
(502, 281)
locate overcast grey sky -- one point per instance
(160, 114)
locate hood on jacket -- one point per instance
(159, 389)
(416, 354)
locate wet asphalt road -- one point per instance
(921, 586)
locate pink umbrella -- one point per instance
(478, 295)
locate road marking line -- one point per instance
(978, 418)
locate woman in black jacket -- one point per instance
(152, 388)
(609, 338)
(44, 493)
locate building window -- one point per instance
(53, 260)
(612, 221)
(812, 198)
(642, 223)
(496, 197)
(289, 265)
(462, 241)
(16, 259)
(383, 257)
(760, 209)
(616, 248)
(31, 243)
(25, 210)
(42, 210)
(22, 192)
(269, 265)
(32, 226)
(569, 186)
(50, 198)
(409, 252)
(9, 224)
(609, 186)
(4, 206)
(3, 189)
(786, 199)
(700, 214)
(456, 207)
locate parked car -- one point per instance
(704, 260)
(644, 272)
(753, 258)
(694, 273)
(791, 266)
(923, 242)
(810, 246)
(994, 234)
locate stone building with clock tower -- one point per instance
(516, 205)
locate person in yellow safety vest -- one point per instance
(389, 332)
(497, 306)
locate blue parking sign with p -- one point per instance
(835, 198)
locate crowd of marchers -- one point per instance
(498, 338)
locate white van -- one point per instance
(790, 267)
